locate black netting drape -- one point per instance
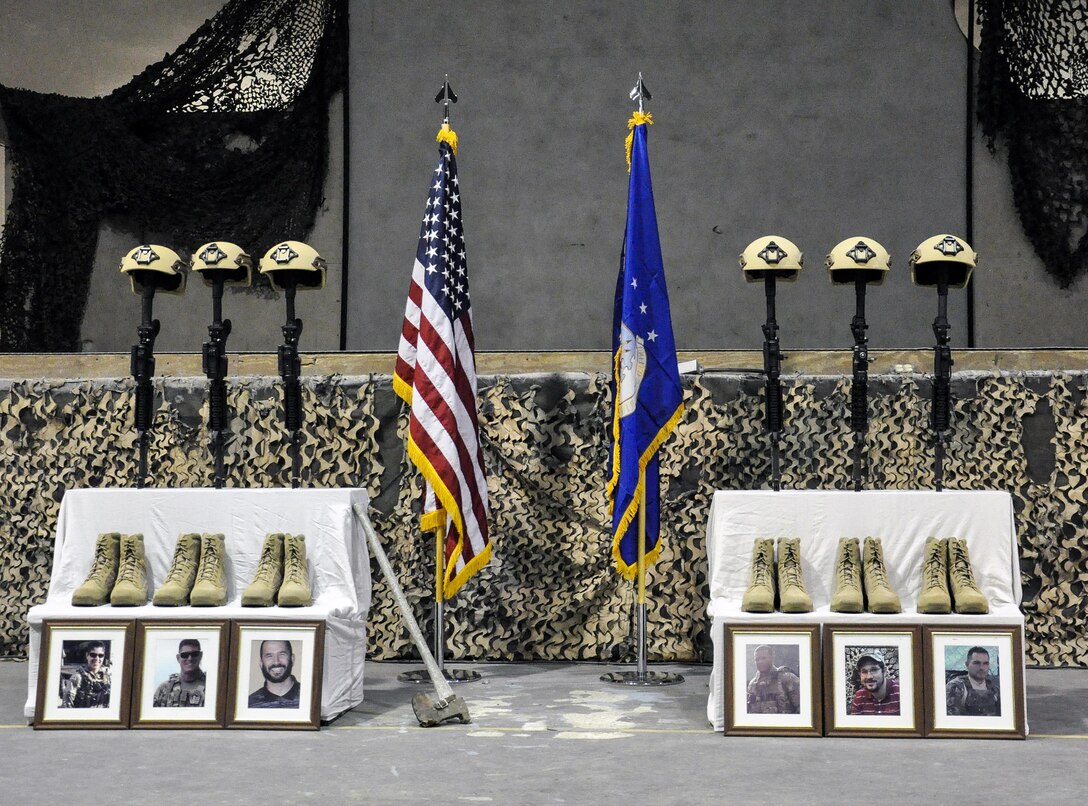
(227, 137)
(1033, 91)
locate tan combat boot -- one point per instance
(759, 598)
(878, 591)
(792, 596)
(847, 596)
(965, 592)
(934, 597)
(130, 589)
(295, 590)
(210, 589)
(96, 588)
(174, 591)
(261, 592)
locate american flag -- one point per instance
(436, 376)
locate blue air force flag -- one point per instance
(646, 392)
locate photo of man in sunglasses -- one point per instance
(184, 689)
(89, 685)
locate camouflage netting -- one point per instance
(1033, 94)
(228, 134)
(550, 591)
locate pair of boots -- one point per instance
(792, 596)
(858, 584)
(118, 573)
(197, 575)
(947, 565)
(281, 574)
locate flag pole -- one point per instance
(436, 521)
(642, 677)
(439, 596)
(642, 584)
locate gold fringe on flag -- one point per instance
(448, 135)
(637, 118)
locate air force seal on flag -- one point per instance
(632, 368)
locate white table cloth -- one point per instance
(901, 519)
(337, 558)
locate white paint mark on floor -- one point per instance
(476, 798)
(591, 735)
(604, 710)
(483, 707)
(394, 771)
(485, 734)
(538, 725)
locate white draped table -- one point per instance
(901, 519)
(337, 559)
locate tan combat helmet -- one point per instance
(225, 261)
(154, 265)
(771, 255)
(294, 264)
(942, 251)
(858, 258)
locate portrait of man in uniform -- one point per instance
(976, 693)
(773, 689)
(89, 685)
(281, 689)
(186, 687)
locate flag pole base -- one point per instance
(643, 678)
(451, 675)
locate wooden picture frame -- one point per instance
(84, 674)
(180, 673)
(995, 657)
(773, 684)
(872, 678)
(275, 674)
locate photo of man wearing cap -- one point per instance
(877, 692)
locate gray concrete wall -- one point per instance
(816, 121)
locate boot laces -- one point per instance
(293, 559)
(791, 570)
(848, 571)
(876, 568)
(761, 573)
(101, 564)
(934, 568)
(266, 566)
(179, 569)
(128, 563)
(209, 561)
(961, 569)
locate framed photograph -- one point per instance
(974, 682)
(773, 680)
(84, 674)
(180, 674)
(871, 675)
(275, 674)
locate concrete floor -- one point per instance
(543, 733)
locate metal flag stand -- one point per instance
(641, 677)
(435, 521)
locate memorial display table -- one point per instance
(337, 558)
(902, 520)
